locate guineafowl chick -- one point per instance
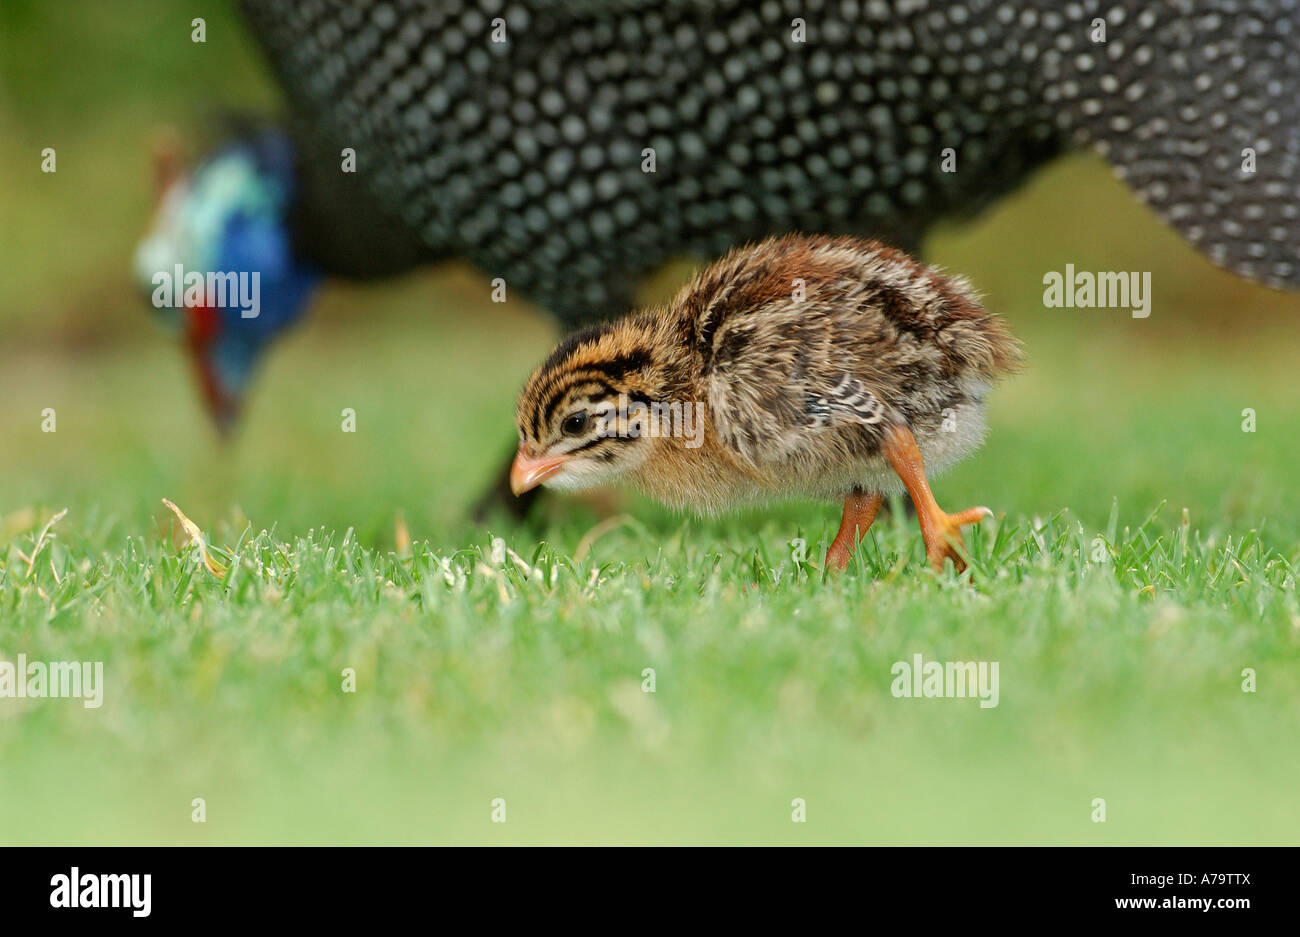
(823, 367)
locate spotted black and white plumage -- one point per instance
(526, 156)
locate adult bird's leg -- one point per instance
(940, 531)
(500, 497)
(859, 513)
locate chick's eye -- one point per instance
(574, 424)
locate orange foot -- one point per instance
(942, 534)
(940, 530)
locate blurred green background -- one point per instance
(1109, 409)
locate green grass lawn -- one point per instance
(523, 679)
(1121, 628)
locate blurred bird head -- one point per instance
(218, 263)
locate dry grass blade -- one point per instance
(196, 536)
(42, 539)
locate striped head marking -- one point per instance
(572, 413)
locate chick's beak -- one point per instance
(527, 473)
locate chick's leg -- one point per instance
(859, 513)
(940, 531)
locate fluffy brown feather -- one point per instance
(797, 356)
